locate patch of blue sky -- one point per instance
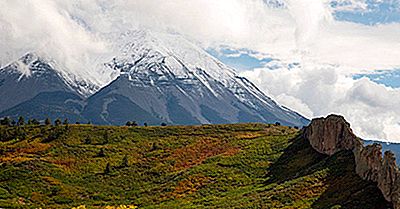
(377, 12)
(390, 78)
(395, 148)
(240, 60)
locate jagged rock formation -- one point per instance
(333, 134)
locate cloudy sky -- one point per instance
(314, 56)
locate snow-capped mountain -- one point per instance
(31, 86)
(171, 79)
(24, 79)
(41, 71)
(163, 78)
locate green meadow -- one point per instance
(209, 166)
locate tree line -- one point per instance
(7, 121)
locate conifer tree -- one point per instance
(47, 122)
(5, 121)
(35, 122)
(21, 121)
(57, 122)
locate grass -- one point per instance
(209, 166)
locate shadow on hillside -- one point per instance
(343, 186)
(346, 189)
(298, 159)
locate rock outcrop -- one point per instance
(333, 134)
(330, 135)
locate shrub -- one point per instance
(47, 122)
(21, 121)
(55, 133)
(88, 140)
(107, 170)
(131, 123)
(101, 153)
(35, 122)
(124, 162)
(5, 121)
(57, 122)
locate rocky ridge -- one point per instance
(333, 134)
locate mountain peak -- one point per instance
(163, 78)
(170, 49)
(162, 73)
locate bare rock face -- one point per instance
(389, 177)
(330, 135)
(333, 134)
(369, 161)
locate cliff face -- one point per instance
(333, 134)
(330, 135)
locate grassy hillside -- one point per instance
(215, 166)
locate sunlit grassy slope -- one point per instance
(215, 166)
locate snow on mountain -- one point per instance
(36, 65)
(162, 78)
(25, 78)
(160, 72)
(182, 57)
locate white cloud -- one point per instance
(43, 27)
(75, 29)
(295, 104)
(76, 34)
(318, 90)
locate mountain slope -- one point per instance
(177, 82)
(26, 78)
(210, 166)
(32, 87)
(163, 78)
(55, 104)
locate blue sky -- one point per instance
(334, 47)
(377, 12)
(390, 78)
(239, 59)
